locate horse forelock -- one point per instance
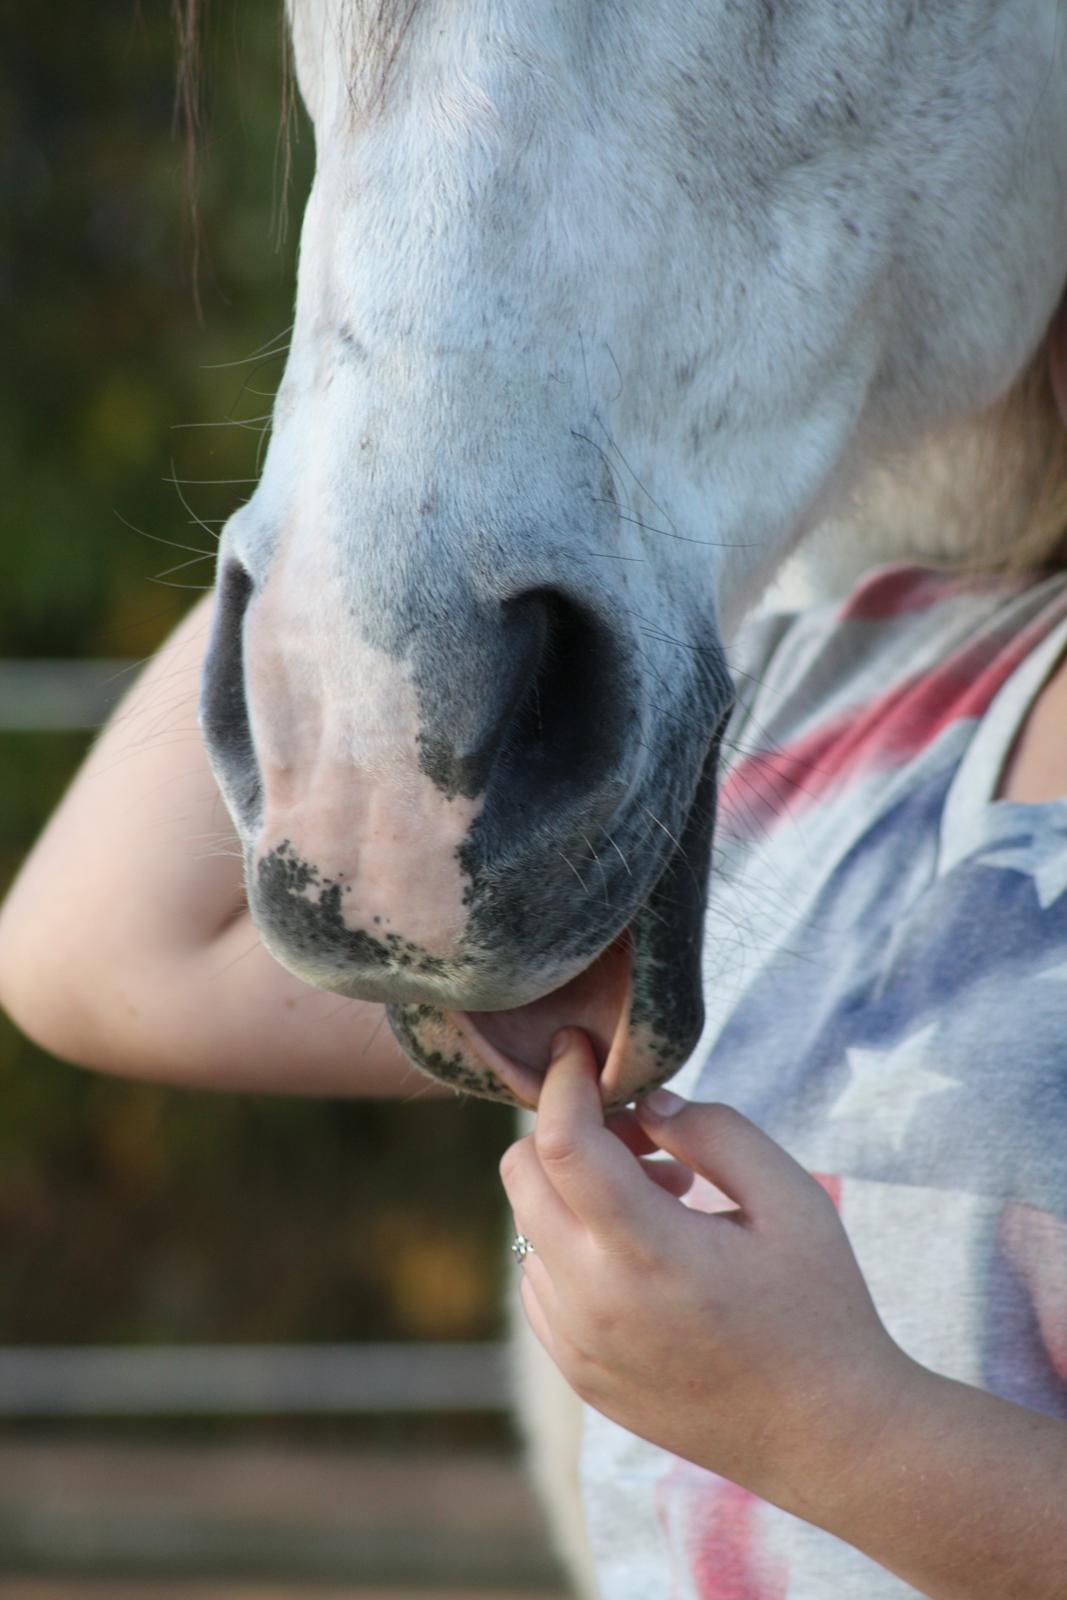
(365, 37)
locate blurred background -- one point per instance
(248, 1347)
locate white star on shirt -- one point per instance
(887, 1086)
(1049, 871)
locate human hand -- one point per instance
(746, 1340)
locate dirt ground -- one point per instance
(104, 1520)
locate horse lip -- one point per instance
(525, 1081)
(662, 1010)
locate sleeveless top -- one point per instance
(885, 977)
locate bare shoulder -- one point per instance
(1036, 768)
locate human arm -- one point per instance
(747, 1342)
(963, 1494)
(125, 941)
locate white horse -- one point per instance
(603, 306)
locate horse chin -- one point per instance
(504, 1055)
(516, 1043)
(640, 1001)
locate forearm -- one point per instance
(232, 1019)
(126, 944)
(960, 1493)
(140, 853)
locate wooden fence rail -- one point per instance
(236, 1380)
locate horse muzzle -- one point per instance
(470, 831)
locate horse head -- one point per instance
(601, 307)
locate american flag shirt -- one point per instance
(886, 984)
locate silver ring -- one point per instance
(521, 1247)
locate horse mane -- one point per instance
(386, 20)
(187, 15)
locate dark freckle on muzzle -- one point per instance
(309, 926)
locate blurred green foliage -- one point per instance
(108, 379)
(129, 1212)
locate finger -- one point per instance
(626, 1128)
(535, 1316)
(589, 1168)
(539, 1211)
(669, 1175)
(732, 1153)
(541, 1283)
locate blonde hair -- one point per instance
(1017, 462)
(985, 495)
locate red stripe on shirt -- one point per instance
(892, 591)
(712, 1527)
(884, 731)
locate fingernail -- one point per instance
(662, 1103)
(561, 1044)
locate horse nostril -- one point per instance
(538, 722)
(223, 703)
(565, 731)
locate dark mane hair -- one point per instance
(188, 18)
(186, 15)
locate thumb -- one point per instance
(728, 1150)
